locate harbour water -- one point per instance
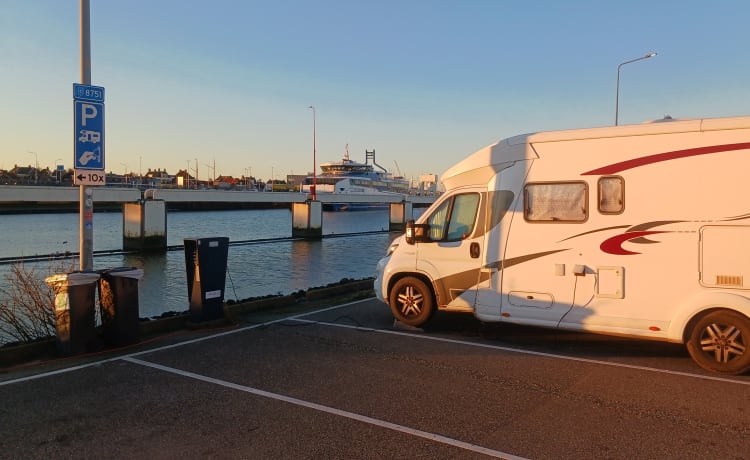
(355, 242)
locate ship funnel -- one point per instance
(370, 155)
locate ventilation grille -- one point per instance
(729, 280)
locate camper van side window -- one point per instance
(556, 202)
(437, 221)
(454, 219)
(611, 195)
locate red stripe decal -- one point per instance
(614, 245)
(666, 156)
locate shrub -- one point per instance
(27, 303)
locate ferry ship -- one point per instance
(347, 177)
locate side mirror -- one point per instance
(417, 233)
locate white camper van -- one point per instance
(640, 230)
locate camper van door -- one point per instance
(452, 254)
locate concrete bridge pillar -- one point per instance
(399, 214)
(307, 220)
(144, 225)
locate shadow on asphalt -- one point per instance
(550, 340)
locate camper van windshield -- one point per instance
(454, 219)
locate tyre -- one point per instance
(411, 301)
(720, 342)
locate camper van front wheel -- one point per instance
(720, 342)
(411, 301)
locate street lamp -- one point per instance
(211, 179)
(125, 175)
(36, 166)
(247, 177)
(315, 181)
(187, 175)
(617, 95)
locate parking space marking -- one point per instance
(174, 345)
(330, 410)
(527, 352)
(299, 317)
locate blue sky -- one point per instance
(424, 83)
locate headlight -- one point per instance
(391, 248)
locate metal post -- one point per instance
(315, 181)
(36, 167)
(617, 93)
(85, 198)
(125, 175)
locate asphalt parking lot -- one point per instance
(343, 382)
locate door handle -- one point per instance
(474, 250)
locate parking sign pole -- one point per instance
(85, 198)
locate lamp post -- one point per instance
(248, 173)
(125, 174)
(617, 94)
(315, 178)
(211, 178)
(187, 176)
(36, 166)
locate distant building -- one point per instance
(185, 180)
(158, 178)
(226, 182)
(427, 184)
(293, 181)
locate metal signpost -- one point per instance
(88, 161)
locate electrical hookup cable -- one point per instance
(572, 304)
(236, 299)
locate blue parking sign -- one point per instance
(89, 135)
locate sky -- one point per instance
(227, 84)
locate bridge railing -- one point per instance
(51, 194)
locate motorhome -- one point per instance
(638, 230)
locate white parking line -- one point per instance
(331, 410)
(364, 419)
(174, 345)
(527, 352)
(382, 331)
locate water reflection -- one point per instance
(254, 269)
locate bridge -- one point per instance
(145, 214)
(20, 198)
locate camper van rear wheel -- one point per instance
(720, 342)
(411, 301)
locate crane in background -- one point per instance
(400, 176)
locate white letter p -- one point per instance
(87, 111)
